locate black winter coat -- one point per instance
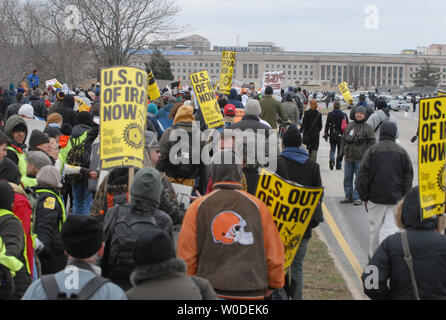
(428, 250)
(333, 126)
(49, 215)
(40, 109)
(311, 127)
(118, 266)
(69, 115)
(307, 174)
(386, 173)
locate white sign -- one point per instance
(183, 193)
(274, 80)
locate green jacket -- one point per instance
(356, 140)
(270, 109)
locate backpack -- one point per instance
(53, 291)
(185, 169)
(78, 156)
(122, 227)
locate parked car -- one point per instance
(398, 105)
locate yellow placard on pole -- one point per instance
(80, 105)
(291, 206)
(432, 156)
(345, 92)
(441, 93)
(152, 89)
(123, 117)
(226, 70)
(206, 99)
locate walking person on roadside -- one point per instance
(311, 127)
(333, 131)
(427, 247)
(356, 140)
(385, 176)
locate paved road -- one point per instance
(347, 233)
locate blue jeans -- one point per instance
(82, 199)
(350, 169)
(297, 269)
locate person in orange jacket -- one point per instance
(229, 237)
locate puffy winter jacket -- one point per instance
(40, 109)
(386, 172)
(357, 138)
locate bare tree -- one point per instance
(117, 29)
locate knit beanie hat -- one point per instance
(7, 198)
(151, 142)
(253, 107)
(66, 129)
(360, 109)
(9, 171)
(37, 138)
(147, 186)
(49, 176)
(152, 108)
(85, 118)
(292, 137)
(52, 132)
(82, 236)
(38, 159)
(153, 246)
(269, 90)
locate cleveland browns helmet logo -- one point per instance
(229, 228)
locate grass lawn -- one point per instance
(322, 280)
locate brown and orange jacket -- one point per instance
(233, 244)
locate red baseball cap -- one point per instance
(229, 110)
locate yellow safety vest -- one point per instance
(64, 217)
(12, 263)
(4, 212)
(26, 181)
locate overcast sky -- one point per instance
(318, 25)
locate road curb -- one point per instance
(352, 287)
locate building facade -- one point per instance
(307, 69)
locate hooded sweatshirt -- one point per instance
(386, 172)
(232, 99)
(428, 250)
(377, 118)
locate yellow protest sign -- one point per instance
(441, 93)
(346, 93)
(291, 206)
(54, 83)
(123, 117)
(432, 156)
(152, 89)
(80, 105)
(226, 70)
(206, 99)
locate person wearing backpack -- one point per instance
(425, 253)
(376, 119)
(159, 275)
(77, 153)
(183, 173)
(49, 212)
(336, 123)
(123, 223)
(83, 241)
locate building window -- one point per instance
(306, 66)
(322, 72)
(184, 70)
(289, 66)
(195, 64)
(216, 71)
(217, 64)
(295, 66)
(201, 64)
(212, 65)
(267, 66)
(206, 65)
(306, 73)
(256, 71)
(179, 70)
(294, 72)
(278, 66)
(311, 73)
(245, 71)
(173, 63)
(328, 72)
(188, 64)
(250, 69)
(283, 66)
(212, 70)
(184, 64)
(300, 73)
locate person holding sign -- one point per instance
(240, 251)
(294, 164)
